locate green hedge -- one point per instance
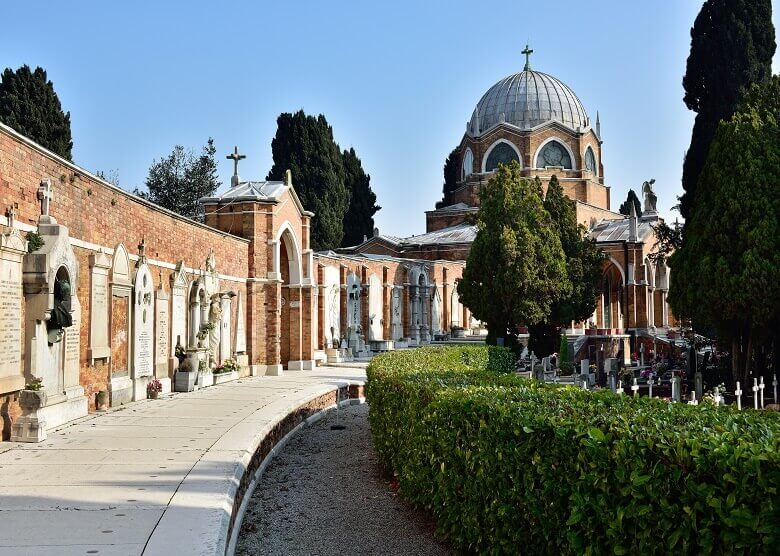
(508, 465)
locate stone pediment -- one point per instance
(41, 267)
(13, 241)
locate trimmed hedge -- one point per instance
(508, 465)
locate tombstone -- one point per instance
(397, 314)
(761, 394)
(698, 381)
(612, 381)
(533, 364)
(162, 332)
(755, 393)
(142, 342)
(774, 386)
(52, 320)
(178, 315)
(635, 388)
(585, 366)
(99, 347)
(738, 394)
(435, 310)
(120, 386)
(642, 355)
(376, 322)
(676, 391)
(13, 248)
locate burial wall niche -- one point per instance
(120, 384)
(99, 305)
(143, 327)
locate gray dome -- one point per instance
(528, 99)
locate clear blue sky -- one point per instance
(396, 80)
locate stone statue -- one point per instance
(215, 318)
(60, 313)
(650, 197)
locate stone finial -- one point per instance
(632, 224)
(45, 196)
(288, 178)
(598, 125)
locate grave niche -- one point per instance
(142, 349)
(120, 386)
(52, 322)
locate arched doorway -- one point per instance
(289, 267)
(611, 304)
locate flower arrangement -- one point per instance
(154, 385)
(227, 366)
(35, 385)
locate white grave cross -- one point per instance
(761, 388)
(738, 394)
(650, 383)
(635, 388)
(774, 384)
(755, 393)
(619, 389)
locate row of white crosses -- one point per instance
(758, 386)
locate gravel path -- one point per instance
(323, 494)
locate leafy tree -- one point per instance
(304, 144)
(625, 208)
(180, 180)
(29, 104)
(732, 44)
(516, 268)
(584, 262)
(727, 271)
(450, 178)
(359, 219)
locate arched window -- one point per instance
(468, 164)
(554, 154)
(590, 161)
(502, 153)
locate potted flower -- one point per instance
(153, 389)
(33, 397)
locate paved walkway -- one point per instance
(153, 477)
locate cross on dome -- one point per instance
(527, 52)
(235, 157)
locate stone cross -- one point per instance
(11, 215)
(635, 388)
(774, 383)
(755, 393)
(761, 388)
(693, 399)
(650, 383)
(527, 53)
(45, 196)
(619, 389)
(235, 157)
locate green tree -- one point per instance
(727, 271)
(516, 268)
(359, 219)
(584, 268)
(450, 178)
(178, 181)
(304, 144)
(625, 208)
(29, 104)
(732, 44)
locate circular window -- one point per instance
(554, 154)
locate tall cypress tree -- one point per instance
(625, 208)
(304, 144)
(450, 178)
(359, 219)
(732, 44)
(29, 104)
(583, 268)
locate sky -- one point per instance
(396, 80)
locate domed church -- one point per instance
(537, 120)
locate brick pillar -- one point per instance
(406, 311)
(387, 306)
(256, 322)
(364, 297)
(343, 302)
(307, 326)
(296, 328)
(273, 319)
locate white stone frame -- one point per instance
(584, 152)
(493, 146)
(560, 142)
(463, 173)
(293, 254)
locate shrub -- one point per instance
(508, 465)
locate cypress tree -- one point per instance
(727, 272)
(516, 268)
(359, 218)
(583, 269)
(29, 104)
(304, 144)
(625, 208)
(732, 44)
(450, 178)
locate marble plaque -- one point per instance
(240, 336)
(375, 326)
(99, 307)
(178, 308)
(143, 323)
(12, 249)
(225, 344)
(162, 330)
(72, 341)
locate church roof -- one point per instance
(526, 100)
(460, 233)
(608, 231)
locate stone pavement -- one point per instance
(153, 477)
